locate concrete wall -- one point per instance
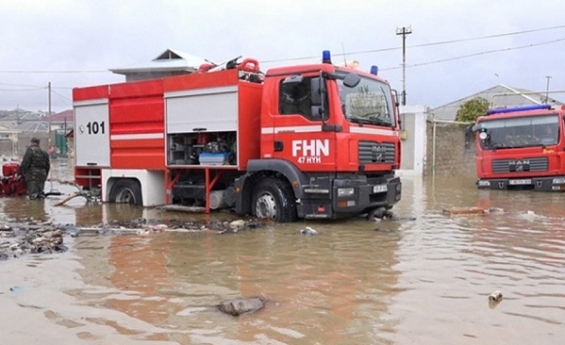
(452, 151)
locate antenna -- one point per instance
(344, 60)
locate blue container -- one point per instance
(213, 158)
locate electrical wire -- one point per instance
(422, 45)
(475, 54)
(22, 90)
(46, 71)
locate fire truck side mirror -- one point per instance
(317, 113)
(317, 106)
(315, 91)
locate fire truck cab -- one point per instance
(521, 148)
(307, 141)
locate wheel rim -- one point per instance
(266, 206)
(125, 196)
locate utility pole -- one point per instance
(404, 31)
(547, 89)
(49, 117)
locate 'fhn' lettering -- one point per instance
(310, 148)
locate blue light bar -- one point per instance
(523, 108)
(374, 70)
(326, 56)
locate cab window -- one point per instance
(296, 99)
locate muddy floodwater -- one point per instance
(423, 281)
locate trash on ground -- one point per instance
(308, 231)
(472, 211)
(241, 305)
(494, 299)
(31, 236)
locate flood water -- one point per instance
(425, 281)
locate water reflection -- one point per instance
(450, 265)
(17, 208)
(332, 288)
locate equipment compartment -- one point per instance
(202, 148)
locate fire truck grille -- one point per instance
(371, 152)
(520, 165)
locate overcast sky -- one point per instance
(73, 43)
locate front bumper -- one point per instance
(541, 184)
(349, 197)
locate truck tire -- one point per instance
(274, 199)
(126, 191)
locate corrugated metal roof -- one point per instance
(169, 60)
(62, 117)
(33, 126)
(498, 96)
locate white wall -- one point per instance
(414, 147)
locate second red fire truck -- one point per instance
(521, 148)
(306, 141)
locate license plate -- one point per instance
(520, 182)
(380, 188)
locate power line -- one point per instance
(424, 44)
(19, 85)
(476, 54)
(46, 71)
(37, 86)
(22, 90)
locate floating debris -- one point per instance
(308, 231)
(382, 213)
(242, 305)
(237, 224)
(494, 299)
(494, 210)
(472, 211)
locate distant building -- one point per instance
(62, 121)
(498, 96)
(169, 63)
(8, 141)
(15, 118)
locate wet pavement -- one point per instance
(422, 281)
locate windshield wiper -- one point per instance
(378, 121)
(370, 119)
(360, 120)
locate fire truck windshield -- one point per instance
(367, 103)
(530, 131)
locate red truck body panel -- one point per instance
(137, 125)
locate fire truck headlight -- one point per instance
(341, 192)
(483, 135)
(559, 180)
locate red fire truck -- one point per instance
(308, 141)
(521, 148)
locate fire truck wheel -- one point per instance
(126, 191)
(274, 199)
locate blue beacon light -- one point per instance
(374, 70)
(326, 57)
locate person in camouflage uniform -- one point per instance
(35, 168)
